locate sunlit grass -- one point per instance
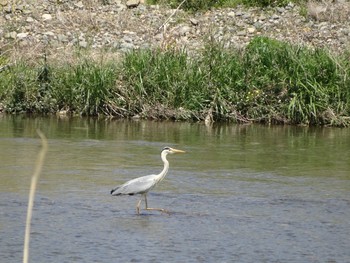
(86, 87)
(269, 82)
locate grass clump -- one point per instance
(22, 90)
(86, 88)
(303, 84)
(268, 82)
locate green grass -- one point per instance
(86, 88)
(270, 82)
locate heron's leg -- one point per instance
(146, 205)
(138, 206)
(154, 209)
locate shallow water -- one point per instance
(240, 193)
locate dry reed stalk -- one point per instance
(34, 182)
(168, 19)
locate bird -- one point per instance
(142, 185)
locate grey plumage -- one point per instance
(144, 184)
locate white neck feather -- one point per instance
(163, 173)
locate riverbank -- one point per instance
(28, 30)
(241, 64)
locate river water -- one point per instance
(241, 193)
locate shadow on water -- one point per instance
(240, 193)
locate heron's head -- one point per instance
(167, 150)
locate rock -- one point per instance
(21, 35)
(231, 14)
(8, 9)
(83, 44)
(184, 30)
(258, 25)
(79, 5)
(127, 39)
(46, 17)
(194, 21)
(27, 11)
(49, 34)
(246, 16)
(280, 9)
(29, 19)
(3, 2)
(275, 17)
(62, 38)
(19, 8)
(120, 7)
(159, 37)
(290, 5)
(241, 33)
(132, 3)
(251, 30)
(124, 46)
(11, 35)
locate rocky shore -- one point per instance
(119, 26)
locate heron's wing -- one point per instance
(136, 186)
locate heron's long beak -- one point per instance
(177, 151)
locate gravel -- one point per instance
(122, 26)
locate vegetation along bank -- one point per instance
(287, 63)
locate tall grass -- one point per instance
(270, 82)
(86, 87)
(306, 82)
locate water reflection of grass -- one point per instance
(268, 82)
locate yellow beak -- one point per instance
(176, 150)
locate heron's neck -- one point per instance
(165, 169)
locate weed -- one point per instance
(269, 82)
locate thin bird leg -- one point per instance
(138, 206)
(154, 209)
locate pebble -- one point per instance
(11, 35)
(251, 30)
(83, 44)
(132, 3)
(127, 25)
(49, 33)
(21, 35)
(231, 14)
(241, 33)
(79, 5)
(29, 19)
(194, 21)
(184, 30)
(46, 17)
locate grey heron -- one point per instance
(142, 185)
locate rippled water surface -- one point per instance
(240, 193)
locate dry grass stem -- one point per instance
(168, 19)
(33, 185)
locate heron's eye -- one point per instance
(166, 148)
